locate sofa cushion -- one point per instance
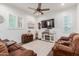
(20, 52)
(64, 38)
(14, 47)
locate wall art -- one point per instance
(12, 21)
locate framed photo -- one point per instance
(30, 26)
(19, 22)
(1, 19)
(39, 25)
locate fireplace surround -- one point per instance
(47, 35)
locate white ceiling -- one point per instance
(53, 6)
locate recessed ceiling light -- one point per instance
(62, 4)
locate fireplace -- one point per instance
(47, 36)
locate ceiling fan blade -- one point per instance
(39, 5)
(45, 9)
(31, 8)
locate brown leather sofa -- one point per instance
(14, 49)
(67, 49)
(25, 38)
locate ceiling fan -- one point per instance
(39, 9)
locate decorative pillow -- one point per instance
(9, 42)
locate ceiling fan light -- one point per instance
(38, 14)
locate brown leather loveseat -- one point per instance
(13, 49)
(70, 48)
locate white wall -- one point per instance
(59, 17)
(59, 21)
(5, 10)
(77, 21)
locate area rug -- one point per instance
(42, 48)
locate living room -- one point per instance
(37, 28)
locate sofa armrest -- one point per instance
(64, 48)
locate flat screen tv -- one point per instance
(48, 24)
(44, 24)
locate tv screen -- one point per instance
(44, 24)
(48, 24)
